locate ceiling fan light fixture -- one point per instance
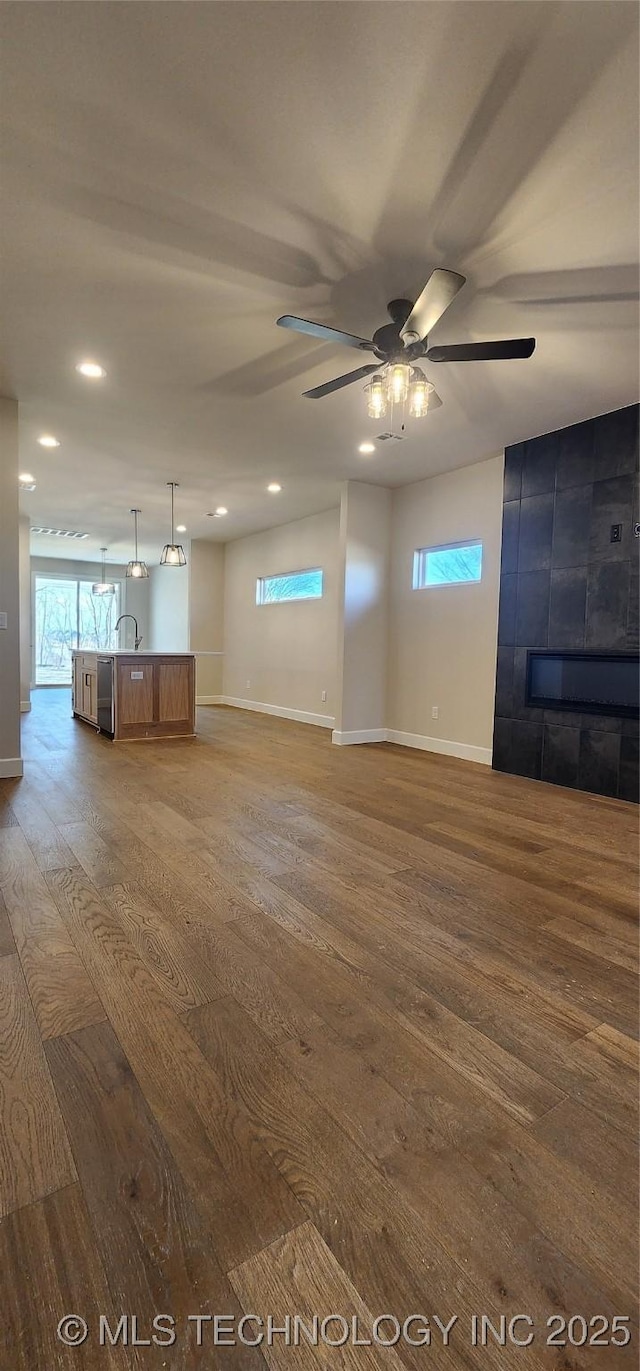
(419, 392)
(136, 570)
(377, 396)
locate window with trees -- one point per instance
(291, 585)
(67, 616)
(453, 564)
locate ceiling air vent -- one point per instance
(384, 437)
(59, 532)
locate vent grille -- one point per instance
(59, 532)
(385, 437)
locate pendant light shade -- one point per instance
(419, 394)
(103, 587)
(173, 554)
(377, 396)
(136, 569)
(398, 380)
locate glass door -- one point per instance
(97, 615)
(68, 616)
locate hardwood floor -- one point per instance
(289, 1029)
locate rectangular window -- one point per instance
(447, 566)
(291, 585)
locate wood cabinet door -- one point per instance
(77, 686)
(174, 691)
(135, 694)
(91, 695)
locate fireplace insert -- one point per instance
(589, 682)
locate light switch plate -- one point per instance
(3, 618)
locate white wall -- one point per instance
(443, 640)
(10, 760)
(168, 609)
(286, 651)
(25, 615)
(363, 612)
(206, 616)
(136, 597)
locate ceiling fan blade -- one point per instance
(441, 288)
(340, 381)
(483, 352)
(328, 335)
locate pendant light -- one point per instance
(103, 587)
(173, 554)
(136, 569)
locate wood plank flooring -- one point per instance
(294, 1030)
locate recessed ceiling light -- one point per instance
(91, 369)
(220, 511)
(48, 440)
(181, 528)
(274, 488)
(367, 447)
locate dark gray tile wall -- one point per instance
(564, 584)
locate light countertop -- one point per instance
(125, 652)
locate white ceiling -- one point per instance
(177, 175)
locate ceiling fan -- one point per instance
(399, 344)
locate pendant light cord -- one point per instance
(173, 485)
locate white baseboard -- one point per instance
(299, 716)
(359, 735)
(10, 766)
(466, 751)
(25, 706)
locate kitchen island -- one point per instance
(133, 695)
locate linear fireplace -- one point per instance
(588, 682)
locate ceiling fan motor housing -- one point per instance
(389, 345)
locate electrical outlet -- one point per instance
(434, 711)
(3, 618)
(324, 697)
(248, 685)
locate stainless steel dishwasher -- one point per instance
(106, 721)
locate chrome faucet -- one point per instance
(137, 640)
